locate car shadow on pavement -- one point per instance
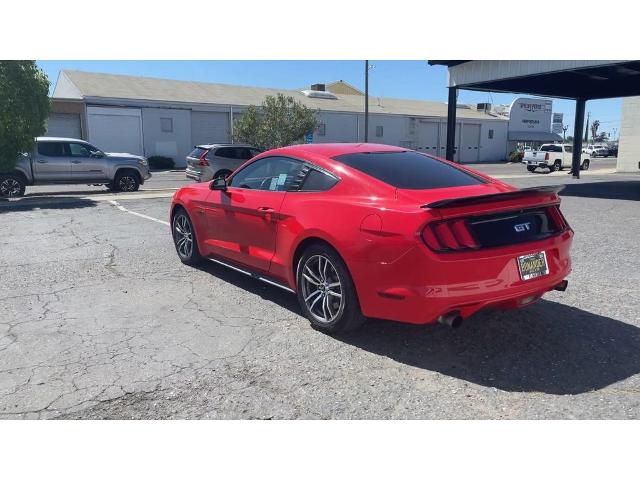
(624, 190)
(548, 347)
(25, 204)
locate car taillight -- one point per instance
(546, 156)
(203, 160)
(558, 219)
(449, 235)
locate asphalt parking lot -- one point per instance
(101, 320)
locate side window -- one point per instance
(557, 148)
(51, 149)
(255, 151)
(225, 152)
(275, 174)
(79, 150)
(317, 181)
(242, 153)
(568, 149)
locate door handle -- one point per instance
(41, 160)
(265, 209)
(76, 161)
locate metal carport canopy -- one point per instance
(580, 80)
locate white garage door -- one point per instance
(470, 143)
(209, 127)
(428, 137)
(115, 129)
(64, 125)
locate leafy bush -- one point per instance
(516, 156)
(158, 162)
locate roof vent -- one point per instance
(318, 87)
(319, 94)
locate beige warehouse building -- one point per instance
(152, 116)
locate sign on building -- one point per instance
(530, 114)
(556, 125)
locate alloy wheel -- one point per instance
(127, 184)
(321, 289)
(183, 236)
(10, 187)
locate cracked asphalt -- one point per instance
(100, 320)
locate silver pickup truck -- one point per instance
(72, 161)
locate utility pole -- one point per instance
(586, 129)
(366, 101)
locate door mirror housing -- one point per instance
(219, 183)
(96, 154)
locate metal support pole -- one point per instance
(366, 101)
(451, 123)
(577, 138)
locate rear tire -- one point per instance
(184, 238)
(531, 168)
(127, 181)
(12, 185)
(326, 291)
(557, 166)
(585, 165)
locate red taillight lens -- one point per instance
(203, 160)
(449, 235)
(546, 156)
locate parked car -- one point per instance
(364, 230)
(613, 150)
(553, 156)
(207, 162)
(72, 161)
(597, 151)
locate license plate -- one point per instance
(533, 265)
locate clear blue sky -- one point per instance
(390, 78)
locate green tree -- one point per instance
(594, 130)
(279, 121)
(24, 108)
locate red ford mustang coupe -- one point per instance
(365, 230)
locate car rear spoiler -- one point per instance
(522, 193)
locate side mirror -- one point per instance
(97, 154)
(219, 183)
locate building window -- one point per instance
(166, 125)
(379, 131)
(322, 129)
(490, 134)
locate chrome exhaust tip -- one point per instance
(451, 319)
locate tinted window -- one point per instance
(317, 181)
(410, 170)
(51, 149)
(79, 150)
(226, 152)
(197, 152)
(551, 148)
(255, 151)
(270, 173)
(568, 149)
(242, 153)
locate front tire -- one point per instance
(585, 165)
(326, 291)
(184, 239)
(12, 186)
(127, 181)
(531, 168)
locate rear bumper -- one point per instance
(203, 175)
(421, 286)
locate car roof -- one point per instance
(59, 139)
(335, 149)
(215, 145)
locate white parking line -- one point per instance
(147, 217)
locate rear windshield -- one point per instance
(198, 152)
(409, 170)
(551, 148)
